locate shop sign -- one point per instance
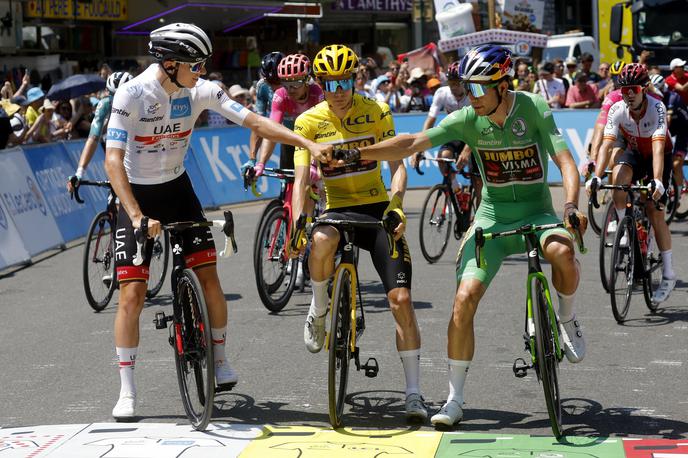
(94, 10)
(395, 6)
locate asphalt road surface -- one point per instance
(58, 359)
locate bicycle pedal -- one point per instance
(371, 368)
(520, 367)
(225, 387)
(161, 320)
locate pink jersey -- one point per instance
(610, 99)
(284, 108)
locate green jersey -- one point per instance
(513, 159)
(101, 117)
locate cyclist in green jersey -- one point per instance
(512, 136)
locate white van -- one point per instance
(571, 45)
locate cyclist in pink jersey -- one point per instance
(294, 97)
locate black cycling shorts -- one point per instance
(456, 147)
(169, 202)
(287, 157)
(394, 273)
(642, 168)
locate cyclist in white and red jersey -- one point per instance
(150, 127)
(295, 96)
(639, 122)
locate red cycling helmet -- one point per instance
(633, 75)
(453, 71)
(294, 66)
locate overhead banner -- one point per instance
(524, 15)
(26, 204)
(91, 10)
(12, 248)
(51, 165)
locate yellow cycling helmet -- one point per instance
(616, 67)
(335, 60)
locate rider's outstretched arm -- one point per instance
(396, 148)
(270, 130)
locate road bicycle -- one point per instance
(440, 204)
(275, 272)
(98, 271)
(190, 334)
(542, 336)
(347, 317)
(635, 258)
(682, 199)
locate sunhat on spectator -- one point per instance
(237, 91)
(47, 105)
(35, 93)
(20, 100)
(676, 62)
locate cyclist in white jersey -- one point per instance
(150, 127)
(638, 121)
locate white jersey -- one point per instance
(154, 128)
(445, 100)
(639, 135)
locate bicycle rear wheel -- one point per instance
(275, 273)
(339, 346)
(160, 256)
(653, 270)
(98, 270)
(435, 223)
(598, 216)
(194, 351)
(622, 269)
(606, 243)
(547, 360)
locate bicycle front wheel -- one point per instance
(194, 351)
(547, 360)
(622, 269)
(653, 270)
(606, 243)
(435, 223)
(339, 346)
(158, 264)
(275, 273)
(99, 262)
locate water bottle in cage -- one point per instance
(642, 237)
(464, 198)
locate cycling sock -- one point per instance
(410, 360)
(667, 268)
(457, 377)
(127, 361)
(219, 343)
(320, 299)
(620, 213)
(565, 306)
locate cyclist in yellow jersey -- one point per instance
(347, 120)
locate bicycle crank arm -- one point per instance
(520, 367)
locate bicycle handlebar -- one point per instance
(481, 236)
(76, 183)
(451, 163)
(622, 187)
(226, 225)
(282, 174)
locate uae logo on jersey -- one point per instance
(518, 127)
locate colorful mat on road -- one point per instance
(164, 440)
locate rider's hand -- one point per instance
(463, 158)
(587, 168)
(247, 165)
(395, 205)
(589, 184)
(74, 180)
(569, 209)
(259, 168)
(659, 190)
(298, 239)
(414, 160)
(321, 152)
(154, 227)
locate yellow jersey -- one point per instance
(367, 122)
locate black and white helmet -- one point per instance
(658, 82)
(180, 42)
(116, 79)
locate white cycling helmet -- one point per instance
(115, 80)
(180, 42)
(658, 82)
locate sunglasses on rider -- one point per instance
(631, 90)
(196, 67)
(333, 85)
(478, 90)
(293, 84)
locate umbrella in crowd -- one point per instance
(75, 86)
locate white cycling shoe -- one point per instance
(450, 414)
(662, 293)
(572, 339)
(415, 408)
(314, 333)
(124, 409)
(224, 374)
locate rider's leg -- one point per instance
(663, 237)
(447, 153)
(622, 174)
(678, 169)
